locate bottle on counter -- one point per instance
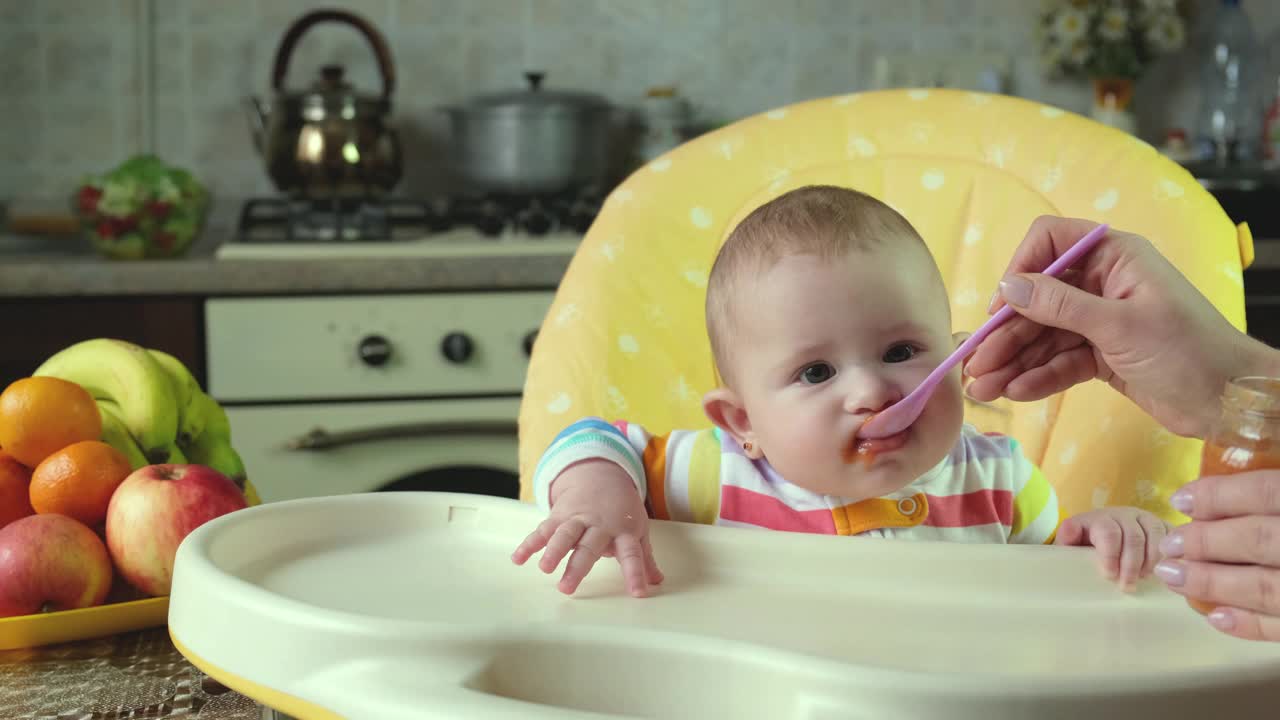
(1246, 435)
(666, 118)
(1271, 88)
(1271, 131)
(1228, 122)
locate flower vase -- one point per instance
(1111, 98)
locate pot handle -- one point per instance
(304, 23)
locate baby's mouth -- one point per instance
(866, 450)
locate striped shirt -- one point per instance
(985, 490)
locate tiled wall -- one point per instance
(81, 88)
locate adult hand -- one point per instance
(595, 512)
(1228, 556)
(1123, 315)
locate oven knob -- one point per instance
(528, 341)
(457, 347)
(374, 350)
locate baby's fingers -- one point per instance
(1107, 537)
(535, 541)
(590, 546)
(631, 557)
(650, 565)
(1133, 552)
(563, 539)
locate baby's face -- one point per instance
(819, 346)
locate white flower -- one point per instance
(1070, 25)
(1168, 34)
(1115, 23)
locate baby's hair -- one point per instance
(825, 221)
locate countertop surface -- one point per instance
(424, 266)
(411, 267)
(132, 675)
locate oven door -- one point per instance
(309, 450)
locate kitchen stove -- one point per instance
(284, 227)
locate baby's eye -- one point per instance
(817, 374)
(900, 353)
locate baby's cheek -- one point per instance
(946, 411)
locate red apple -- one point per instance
(51, 562)
(154, 509)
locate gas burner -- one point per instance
(284, 221)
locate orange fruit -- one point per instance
(78, 480)
(41, 415)
(15, 481)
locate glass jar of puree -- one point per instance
(1246, 435)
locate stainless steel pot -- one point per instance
(328, 141)
(532, 140)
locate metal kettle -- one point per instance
(328, 142)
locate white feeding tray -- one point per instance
(407, 605)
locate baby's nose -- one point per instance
(871, 395)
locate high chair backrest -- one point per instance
(625, 337)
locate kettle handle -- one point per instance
(304, 23)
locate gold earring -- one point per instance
(747, 446)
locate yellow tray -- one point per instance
(67, 625)
(25, 631)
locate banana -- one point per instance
(218, 454)
(115, 434)
(126, 374)
(185, 387)
(212, 448)
(212, 417)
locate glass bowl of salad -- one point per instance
(142, 209)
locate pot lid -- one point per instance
(535, 97)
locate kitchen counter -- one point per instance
(131, 675)
(501, 265)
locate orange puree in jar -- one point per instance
(1245, 437)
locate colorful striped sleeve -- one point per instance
(1035, 504)
(586, 439)
(684, 469)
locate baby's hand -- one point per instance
(1126, 540)
(595, 512)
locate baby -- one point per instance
(823, 307)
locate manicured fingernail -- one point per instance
(1222, 619)
(1016, 290)
(1172, 545)
(1171, 573)
(1181, 501)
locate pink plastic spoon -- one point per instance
(899, 416)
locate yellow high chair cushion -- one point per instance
(625, 336)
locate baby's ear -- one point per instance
(724, 408)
